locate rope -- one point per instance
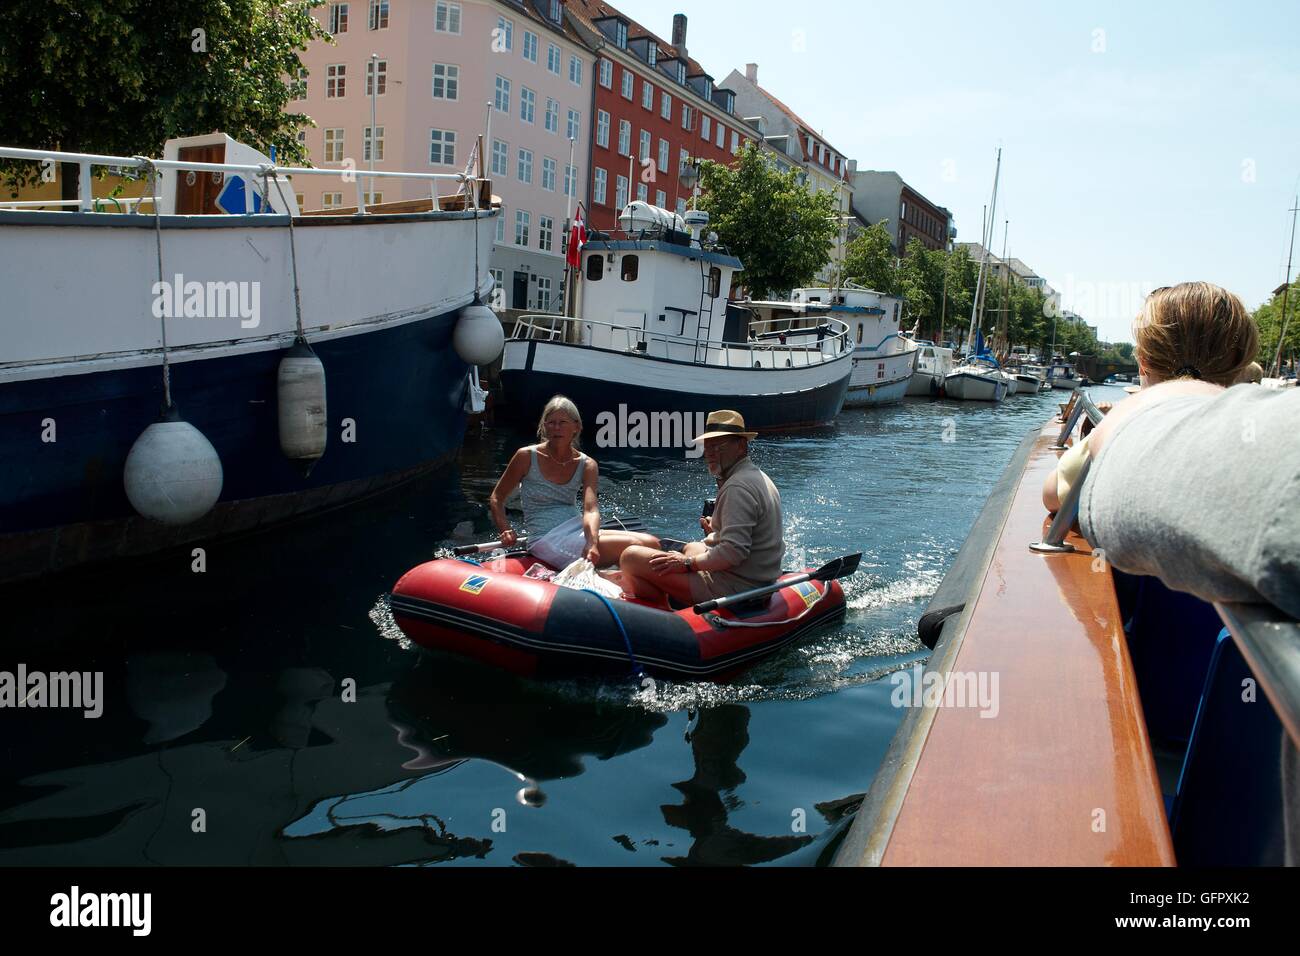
(636, 668)
(293, 247)
(162, 320)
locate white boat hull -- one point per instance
(974, 387)
(879, 379)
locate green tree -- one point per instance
(869, 260)
(1268, 317)
(123, 76)
(769, 220)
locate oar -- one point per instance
(609, 524)
(830, 571)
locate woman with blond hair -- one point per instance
(551, 477)
(1193, 330)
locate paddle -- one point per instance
(830, 571)
(609, 524)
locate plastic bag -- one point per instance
(581, 575)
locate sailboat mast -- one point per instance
(1277, 359)
(1006, 289)
(984, 260)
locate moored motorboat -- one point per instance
(979, 380)
(933, 363)
(507, 613)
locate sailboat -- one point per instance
(979, 379)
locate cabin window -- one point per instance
(631, 264)
(715, 282)
(859, 333)
(595, 267)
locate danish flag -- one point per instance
(577, 238)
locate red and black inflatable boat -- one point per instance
(495, 612)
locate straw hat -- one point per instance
(724, 424)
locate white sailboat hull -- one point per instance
(970, 386)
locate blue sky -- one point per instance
(1143, 144)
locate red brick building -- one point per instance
(654, 108)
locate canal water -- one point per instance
(265, 709)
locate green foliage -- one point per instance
(769, 220)
(869, 260)
(122, 76)
(1269, 319)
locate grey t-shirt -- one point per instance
(1203, 492)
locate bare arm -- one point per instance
(506, 486)
(591, 509)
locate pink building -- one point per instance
(440, 63)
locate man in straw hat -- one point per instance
(744, 546)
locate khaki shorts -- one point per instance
(707, 585)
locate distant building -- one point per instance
(884, 196)
(798, 146)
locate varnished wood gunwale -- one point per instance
(1063, 774)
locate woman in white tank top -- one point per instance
(552, 476)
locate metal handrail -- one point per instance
(550, 328)
(1082, 403)
(1068, 512)
(87, 160)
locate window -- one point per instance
(683, 159)
(681, 73)
(644, 152)
(643, 192)
(663, 156)
(302, 137)
(501, 228)
(652, 54)
(620, 34)
(556, 10)
(620, 192)
(500, 157)
(502, 96)
(331, 200)
(624, 138)
(665, 106)
(570, 180)
(376, 75)
(338, 18)
(336, 78)
(627, 83)
(530, 46)
(647, 95)
(735, 141)
(442, 147)
(505, 33)
(301, 200)
(595, 267)
(722, 134)
(715, 282)
(575, 70)
(548, 173)
(446, 81)
(630, 269)
(334, 145)
(446, 17)
(602, 128)
(575, 122)
(602, 186)
(302, 89)
(525, 165)
(379, 14)
(366, 132)
(553, 58)
(686, 116)
(522, 219)
(527, 104)
(544, 293)
(706, 123)
(545, 229)
(681, 207)
(606, 73)
(498, 300)
(661, 199)
(373, 199)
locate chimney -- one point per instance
(679, 34)
(751, 73)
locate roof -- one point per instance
(588, 12)
(799, 121)
(532, 10)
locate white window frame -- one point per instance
(665, 106)
(570, 180)
(507, 28)
(686, 116)
(722, 136)
(527, 105)
(336, 79)
(449, 14)
(643, 192)
(647, 95)
(706, 126)
(575, 70)
(551, 121)
(334, 145)
(545, 232)
(501, 94)
(553, 59)
(529, 35)
(606, 73)
(378, 19)
(446, 147)
(365, 143)
(331, 200)
(573, 126)
(661, 199)
(450, 82)
(620, 193)
(379, 69)
(335, 19)
(602, 128)
(663, 155)
(643, 146)
(600, 191)
(549, 167)
(544, 293)
(627, 84)
(524, 165)
(500, 158)
(624, 138)
(523, 223)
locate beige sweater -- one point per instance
(747, 526)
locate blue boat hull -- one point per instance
(63, 504)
